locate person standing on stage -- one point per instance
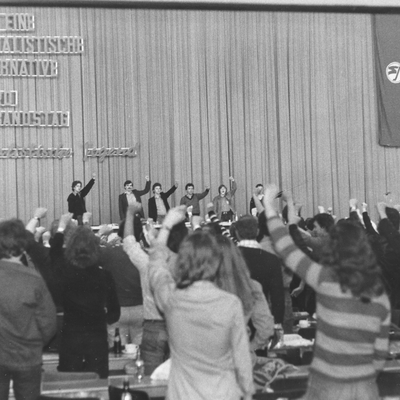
(259, 192)
(191, 199)
(130, 196)
(222, 202)
(76, 200)
(158, 204)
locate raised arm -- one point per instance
(293, 257)
(232, 192)
(39, 213)
(387, 230)
(257, 203)
(146, 188)
(367, 221)
(161, 280)
(201, 196)
(172, 190)
(136, 254)
(90, 184)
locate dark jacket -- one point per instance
(266, 269)
(76, 202)
(123, 202)
(386, 245)
(126, 275)
(152, 203)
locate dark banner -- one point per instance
(387, 61)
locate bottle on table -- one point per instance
(117, 342)
(277, 340)
(139, 366)
(126, 395)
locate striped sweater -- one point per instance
(352, 337)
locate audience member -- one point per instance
(353, 310)
(154, 349)
(27, 316)
(264, 267)
(233, 276)
(210, 355)
(127, 283)
(90, 303)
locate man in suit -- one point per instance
(158, 204)
(130, 195)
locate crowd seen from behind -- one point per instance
(206, 294)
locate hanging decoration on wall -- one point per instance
(35, 151)
(103, 152)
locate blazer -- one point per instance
(152, 203)
(123, 201)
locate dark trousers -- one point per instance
(155, 349)
(26, 382)
(84, 352)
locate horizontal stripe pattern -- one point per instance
(352, 336)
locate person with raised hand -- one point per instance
(223, 202)
(27, 316)
(353, 309)
(210, 356)
(158, 204)
(76, 199)
(130, 195)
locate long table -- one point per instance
(157, 389)
(115, 362)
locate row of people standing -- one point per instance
(158, 205)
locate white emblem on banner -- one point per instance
(393, 72)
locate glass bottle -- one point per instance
(117, 342)
(278, 335)
(126, 395)
(139, 366)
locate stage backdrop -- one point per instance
(193, 96)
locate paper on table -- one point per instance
(294, 340)
(161, 373)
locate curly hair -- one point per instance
(199, 258)
(349, 254)
(233, 275)
(82, 248)
(13, 238)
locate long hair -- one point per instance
(82, 248)
(349, 254)
(13, 238)
(198, 259)
(233, 275)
